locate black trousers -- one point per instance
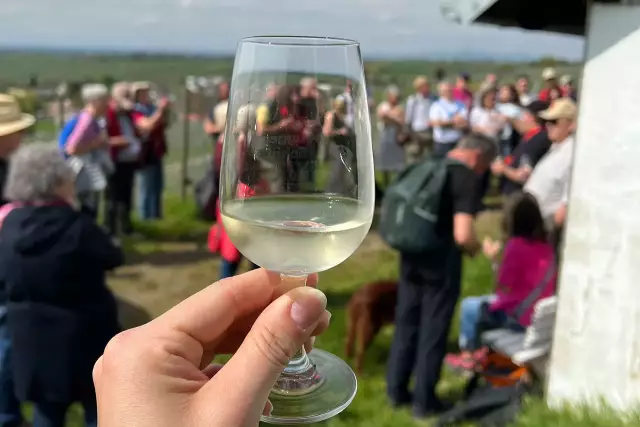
(119, 198)
(428, 292)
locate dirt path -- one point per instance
(153, 282)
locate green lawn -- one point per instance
(149, 284)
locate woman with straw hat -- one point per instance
(13, 123)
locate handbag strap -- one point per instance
(536, 292)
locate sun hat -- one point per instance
(563, 108)
(12, 119)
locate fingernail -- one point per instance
(307, 307)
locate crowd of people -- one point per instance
(57, 314)
(503, 137)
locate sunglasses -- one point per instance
(551, 122)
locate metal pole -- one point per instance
(186, 131)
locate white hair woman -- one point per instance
(53, 261)
(87, 145)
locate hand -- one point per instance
(158, 375)
(164, 103)
(101, 141)
(286, 122)
(522, 174)
(497, 167)
(459, 121)
(491, 248)
(343, 132)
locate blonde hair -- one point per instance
(420, 81)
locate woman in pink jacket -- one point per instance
(527, 260)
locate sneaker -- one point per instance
(438, 408)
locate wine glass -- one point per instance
(280, 206)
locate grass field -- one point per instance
(170, 264)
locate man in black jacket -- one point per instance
(12, 125)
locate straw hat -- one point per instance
(563, 108)
(12, 119)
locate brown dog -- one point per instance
(368, 310)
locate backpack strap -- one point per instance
(536, 292)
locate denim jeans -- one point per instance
(53, 414)
(229, 269)
(10, 415)
(469, 319)
(151, 186)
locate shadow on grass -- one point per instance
(130, 314)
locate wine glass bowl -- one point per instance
(285, 210)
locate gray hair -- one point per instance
(475, 141)
(392, 90)
(308, 82)
(36, 171)
(94, 92)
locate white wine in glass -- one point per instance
(294, 98)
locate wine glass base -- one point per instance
(323, 392)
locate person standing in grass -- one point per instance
(429, 285)
(391, 120)
(87, 147)
(125, 153)
(12, 126)
(151, 121)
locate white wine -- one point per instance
(296, 234)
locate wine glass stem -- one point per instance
(300, 361)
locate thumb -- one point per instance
(278, 333)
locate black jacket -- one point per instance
(53, 262)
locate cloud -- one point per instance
(384, 27)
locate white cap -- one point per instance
(549, 73)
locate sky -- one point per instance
(398, 28)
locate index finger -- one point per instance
(206, 315)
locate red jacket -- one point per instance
(113, 128)
(154, 145)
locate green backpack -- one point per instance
(411, 208)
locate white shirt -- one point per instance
(487, 119)
(220, 113)
(512, 111)
(549, 181)
(444, 109)
(526, 99)
(417, 112)
(349, 104)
